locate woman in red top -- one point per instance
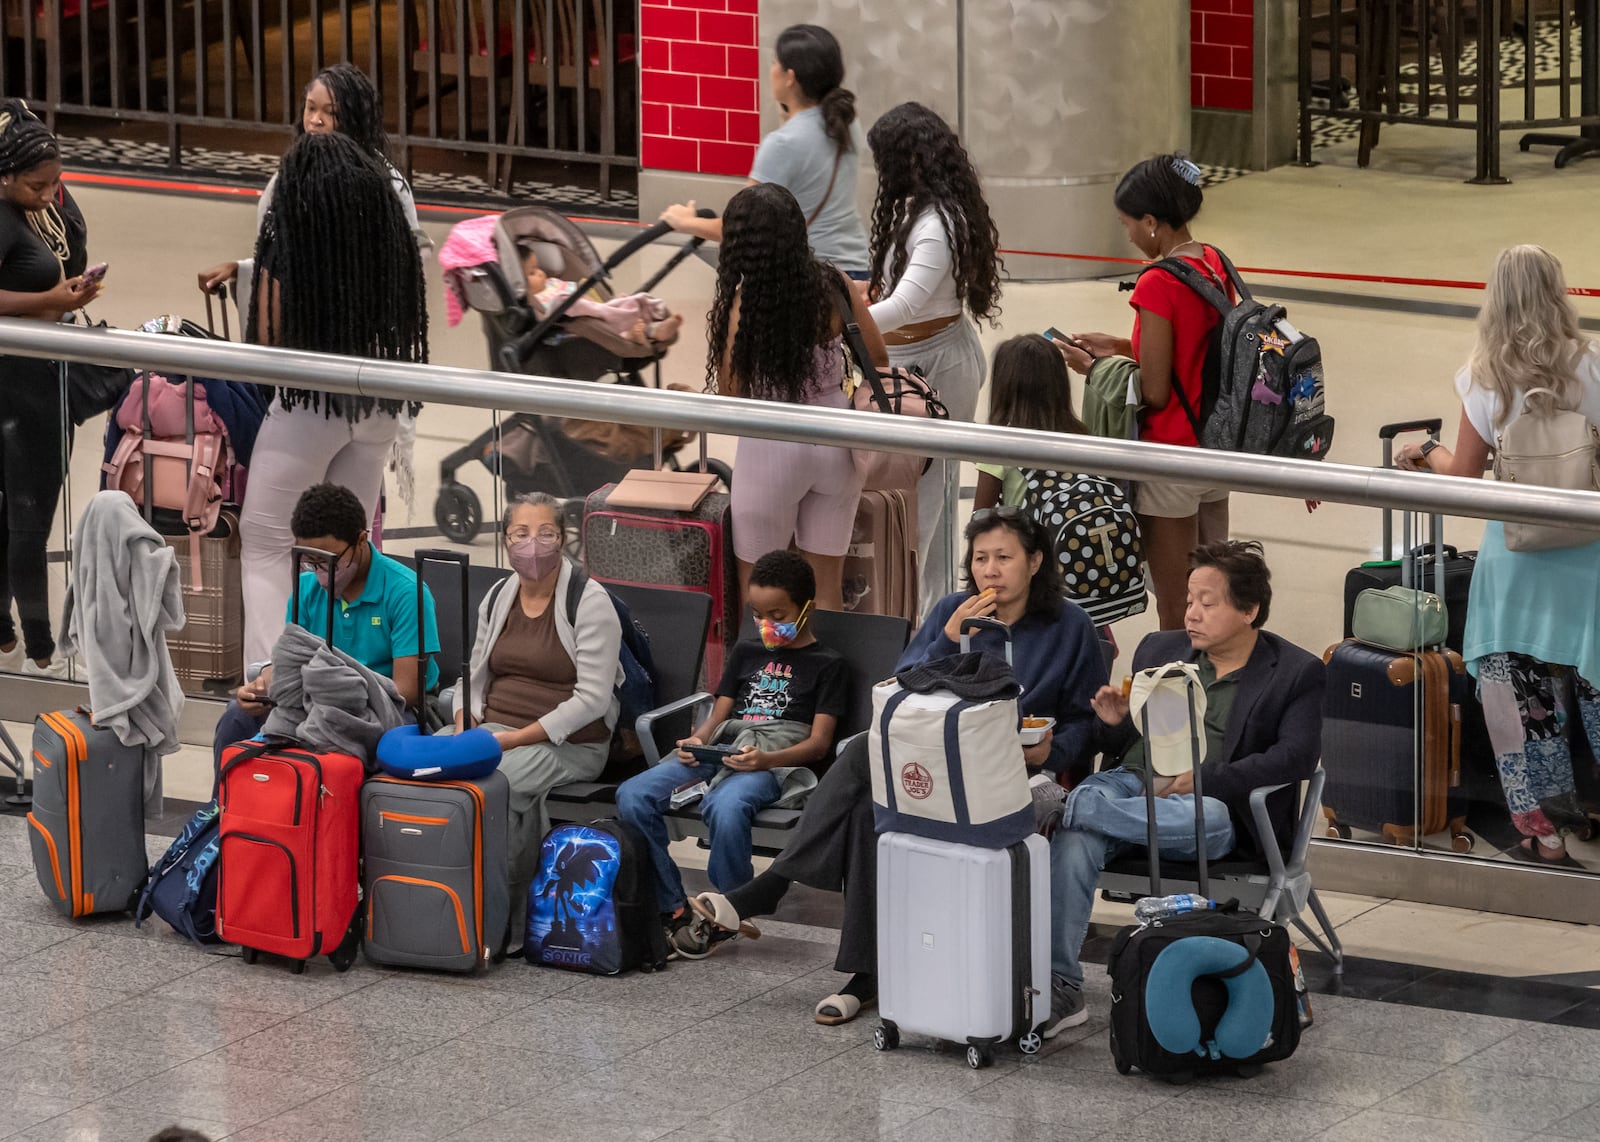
(1172, 328)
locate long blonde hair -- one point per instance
(1528, 335)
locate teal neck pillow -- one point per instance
(1246, 1025)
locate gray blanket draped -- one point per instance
(327, 699)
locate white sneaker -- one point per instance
(11, 660)
(56, 669)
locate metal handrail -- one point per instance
(698, 412)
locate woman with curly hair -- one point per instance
(773, 335)
(815, 154)
(934, 260)
(336, 271)
(339, 98)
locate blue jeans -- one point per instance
(728, 810)
(1106, 815)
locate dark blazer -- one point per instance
(1274, 730)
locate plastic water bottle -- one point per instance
(1159, 908)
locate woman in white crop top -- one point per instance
(934, 262)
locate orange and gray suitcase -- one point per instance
(87, 824)
(880, 568)
(435, 872)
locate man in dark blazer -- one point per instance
(1263, 726)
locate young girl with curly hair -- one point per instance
(934, 261)
(773, 335)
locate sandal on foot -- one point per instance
(715, 908)
(841, 1008)
(1531, 851)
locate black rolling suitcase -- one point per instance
(1392, 731)
(1184, 1002)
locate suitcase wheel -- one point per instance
(248, 955)
(886, 1037)
(1124, 1067)
(979, 1057)
(1462, 841)
(344, 955)
(1030, 1043)
(299, 967)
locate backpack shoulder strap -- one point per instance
(575, 585)
(1201, 284)
(1188, 409)
(1233, 275)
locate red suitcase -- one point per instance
(289, 848)
(289, 872)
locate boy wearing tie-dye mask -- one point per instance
(777, 706)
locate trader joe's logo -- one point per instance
(916, 781)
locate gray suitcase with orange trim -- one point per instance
(435, 873)
(86, 828)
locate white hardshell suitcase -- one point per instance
(963, 943)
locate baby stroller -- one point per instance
(533, 453)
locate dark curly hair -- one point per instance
(357, 106)
(786, 300)
(922, 165)
(812, 53)
(1044, 589)
(1243, 563)
(1166, 187)
(787, 572)
(328, 509)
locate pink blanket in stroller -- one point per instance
(471, 243)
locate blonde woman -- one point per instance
(1533, 619)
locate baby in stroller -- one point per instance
(636, 316)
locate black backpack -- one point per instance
(1260, 391)
(1096, 537)
(592, 902)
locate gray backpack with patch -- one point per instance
(1261, 392)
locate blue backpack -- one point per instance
(182, 886)
(592, 901)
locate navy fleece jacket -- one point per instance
(1055, 658)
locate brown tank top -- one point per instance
(530, 674)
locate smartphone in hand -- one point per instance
(94, 275)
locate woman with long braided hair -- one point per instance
(934, 261)
(336, 271)
(338, 99)
(773, 335)
(43, 250)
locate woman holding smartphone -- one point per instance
(43, 249)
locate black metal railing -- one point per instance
(1438, 63)
(552, 80)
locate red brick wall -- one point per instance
(700, 78)
(1222, 67)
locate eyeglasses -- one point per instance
(1005, 512)
(522, 535)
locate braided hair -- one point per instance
(922, 165)
(786, 309)
(337, 247)
(26, 143)
(357, 106)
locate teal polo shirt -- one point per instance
(380, 624)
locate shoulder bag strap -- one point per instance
(1233, 275)
(838, 156)
(856, 343)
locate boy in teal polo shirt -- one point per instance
(375, 609)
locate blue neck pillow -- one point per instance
(1244, 1027)
(406, 752)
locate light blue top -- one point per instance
(1545, 604)
(799, 157)
(380, 624)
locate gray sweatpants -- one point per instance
(954, 365)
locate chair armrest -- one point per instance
(1263, 823)
(644, 725)
(1310, 812)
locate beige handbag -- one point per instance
(1555, 449)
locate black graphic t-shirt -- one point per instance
(785, 684)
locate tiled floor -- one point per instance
(110, 1032)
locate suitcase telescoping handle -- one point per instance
(302, 556)
(982, 622)
(1386, 434)
(463, 564)
(1151, 838)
